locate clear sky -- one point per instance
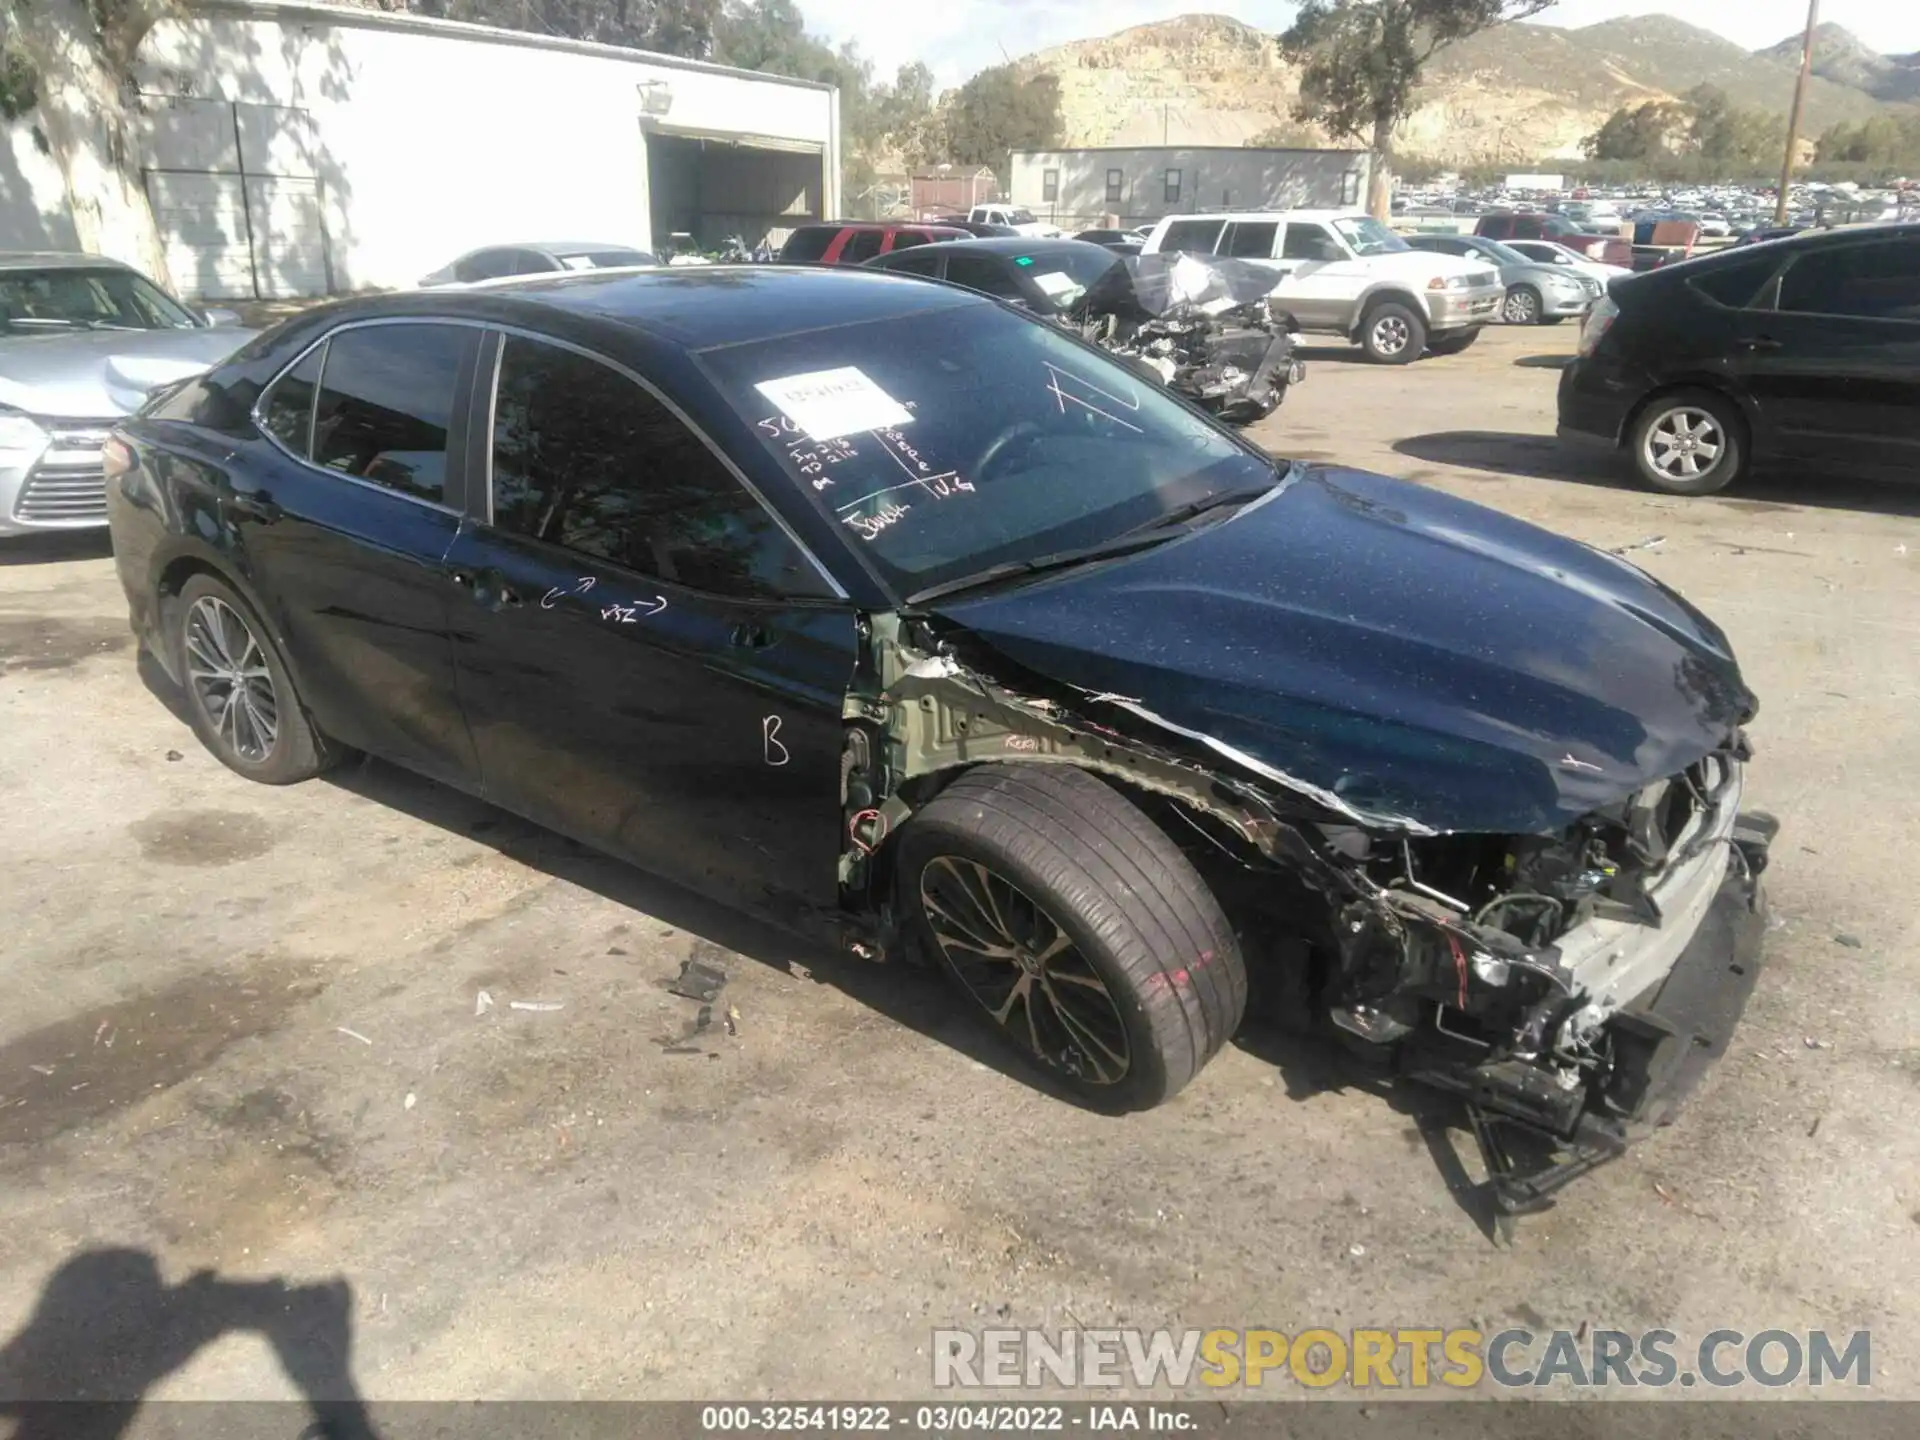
(957, 37)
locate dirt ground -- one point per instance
(240, 1036)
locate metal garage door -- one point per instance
(289, 237)
(203, 223)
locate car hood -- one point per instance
(1423, 264)
(98, 374)
(1398, 653)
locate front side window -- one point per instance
(1050, 186)
(386, 400)
(586, 459)
(75, 298)
(1870, 282)
(907, 239)
(916, 264)
(1173, 187)
(991, 438)
(1309, 242)
(485, 265)
(1116, 186)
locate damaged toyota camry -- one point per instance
(900, 617)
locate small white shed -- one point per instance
(299, 149)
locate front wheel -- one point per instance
(240, 697)
(1393, 334)
(1522, 306)
(1077, 926)
(1689, 443)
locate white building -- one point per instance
(1078, 189)
(296, 149)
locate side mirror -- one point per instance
(221, 319)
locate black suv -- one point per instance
(1805, 350)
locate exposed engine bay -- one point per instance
(1202, 325)
(1561, 985)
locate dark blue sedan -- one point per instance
(906, 619)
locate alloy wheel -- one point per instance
(1024, 969)
(1521, 308)
(1684, 443)
(231, 683)
(1390, 335)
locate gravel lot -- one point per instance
(240, 1035)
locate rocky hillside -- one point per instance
(1840, 56)
(1519, 94)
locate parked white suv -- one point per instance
(1015, 217)
(1345, 273)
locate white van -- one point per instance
(1342, 272)
(1016, 218)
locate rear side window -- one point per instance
(585, 459)
(809, 242)
(917, 264)
(386, 401)
(487, 265)
(1197, 237)
(977, 272)
(861, 245)
(286, 410)
(1250, 239)
(907, 239)
(1873, 282)
(1737, 283)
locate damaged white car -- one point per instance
(904, 617)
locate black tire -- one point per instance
(1522, 306)
(1091, 901)
(1453, 344)
(1661, 432)
(1393, 334)
(203, 635)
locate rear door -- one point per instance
(1834, 363)
(649, 660)
(349, 514)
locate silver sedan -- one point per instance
(83, 341)
(1537, 294)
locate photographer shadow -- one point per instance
(108, 1329)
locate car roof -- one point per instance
(1322, 215)
(1005, 245)
(696, 307)
(872, 225)
(57, 260)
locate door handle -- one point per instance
(254, 505)
(488, 587)
(1759, 342)
(752, 635)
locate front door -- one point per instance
(1835, 365)
(647, 659)
(1319, 278)
(357, 504)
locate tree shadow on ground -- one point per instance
(1778, 487)
(108, 1328)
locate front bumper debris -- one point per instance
(1664, 1040)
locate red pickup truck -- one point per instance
(1613, 249)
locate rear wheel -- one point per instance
(1689, 443)
(1393, 334)
(240, 698)
(1077, 926)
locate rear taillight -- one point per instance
(116, 457)
(1599, 320)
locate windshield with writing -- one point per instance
(1368, 236)
(951, 442)
(71, 298)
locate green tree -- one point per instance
(1645, 132)
(1288, 136)
(1361, 63)
(1000, 110)
(669, 27)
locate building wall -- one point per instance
(427, 138)
(1210, 178)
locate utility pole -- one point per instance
(1793, 117)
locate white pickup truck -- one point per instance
(1344, 273)
(1016, 218)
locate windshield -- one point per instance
(950, 442)
(1503, 254)
(1020, 217)
(1368, 236)
(1065, 275)
(62, 298)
